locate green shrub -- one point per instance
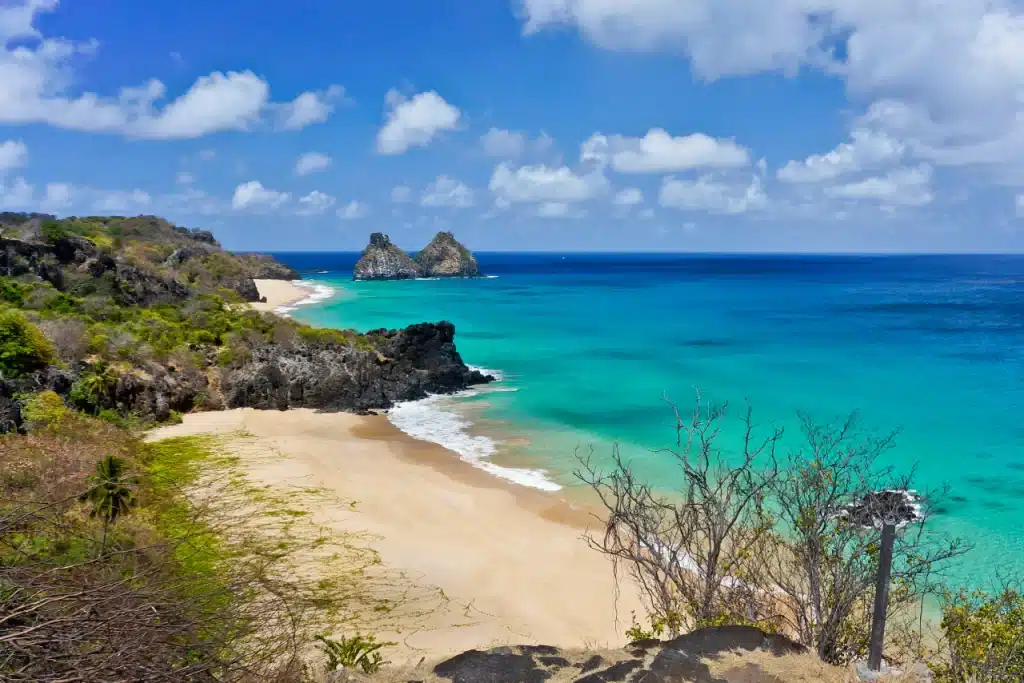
(23, 347)
(45, 409)
(53, 231)
(985, 637)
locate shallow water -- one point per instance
(931, 345)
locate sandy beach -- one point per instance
(278, 293)
(510, 560)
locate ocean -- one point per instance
(591, 347)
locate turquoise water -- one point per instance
(588, 346)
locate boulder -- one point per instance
(446, 257)
(382, 260)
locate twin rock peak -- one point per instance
(443, 257)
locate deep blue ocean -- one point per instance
(588, 345)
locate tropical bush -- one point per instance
(23, 347)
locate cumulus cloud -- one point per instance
(252, 196)
(447, 191)
(353, 211)
(315, 203)
(37, 81)
(309, 108)
(659, 152)
(1020, 205)
(866, 150)
(13, 154)
(712, 195)
(512, 144)
(630, 196)
(57, 196)
(415, 122)
(121, 202)
(311, 162)
(16, 195)
(899, 187)
(401, 194)
(946, 79)
(541, 183)
(184, 178)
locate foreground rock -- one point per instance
(382, 260)
(651, 661)
(445, 257)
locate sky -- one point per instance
(525, 125)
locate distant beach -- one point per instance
(283, 296)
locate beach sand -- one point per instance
(510, 560)
(278, 293)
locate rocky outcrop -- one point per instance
(382, 260)
(445, 257)
(406, 365)
(650, 661)
(77, 261)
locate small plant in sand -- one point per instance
(349, 653)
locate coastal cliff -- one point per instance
(137, 319)
(443, 257)
(382, 260)
(446, 257)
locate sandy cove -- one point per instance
(278, 293)
(511, 559)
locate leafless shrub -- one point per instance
(69, 337)
(690, 552)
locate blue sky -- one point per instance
(705, 125)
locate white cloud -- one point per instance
(314, 203)
(711, 195)
(311, 162)
(866, 150)
(659, 152)
(946, 78)
(630, 196)
(184, 178)
(545, 184)
(207, 154)
(13, 154)
(17, 195)
(309, 108)
(504, 144)
(401, 194)
(1020, 205)
(415, 122)
(902, 186)
(121, 202)
(57, 197)
(447, 191)
(253, 196)
(353, 210)
(37, 85)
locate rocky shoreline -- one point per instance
(443, 257)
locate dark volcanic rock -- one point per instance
(475, 666)
(614, 673)
(382, 260)
(445, 257)
(408, 364)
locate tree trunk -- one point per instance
(103, 540)
(881, 598)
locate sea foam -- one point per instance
(318, 292)
(436, 419)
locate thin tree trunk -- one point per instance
(881, 598)
(103, 541)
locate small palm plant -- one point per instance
(110, 494)
(349, 653)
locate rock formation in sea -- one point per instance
(446, 257)
(382, 260)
